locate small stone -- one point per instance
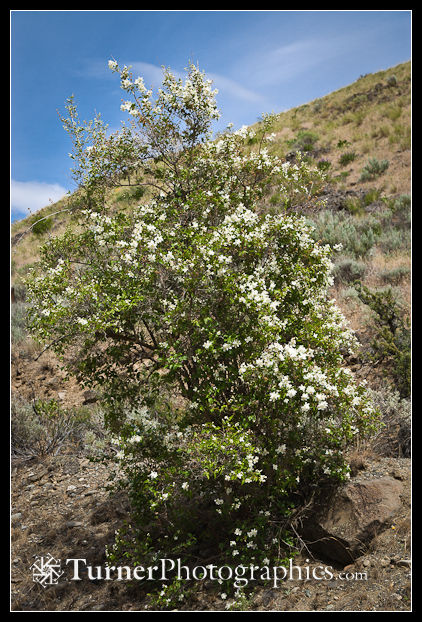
(73, 523)
(90, 397)
(34, 477)
(404, 562)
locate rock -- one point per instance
(35, 477)
(90, 397)
(73, 523)
(341, 528)
(404, 562)
(15, 517)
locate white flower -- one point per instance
(140, 84)
(185, 485)
(153, 474)
(252, 532)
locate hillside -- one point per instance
(361, 136)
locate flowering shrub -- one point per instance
(200, 295)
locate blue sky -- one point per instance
(261, 61)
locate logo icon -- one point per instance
(46, 570)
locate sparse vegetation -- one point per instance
(304, 141)
(394, 437)
(373, 168)
(347, 157)
(43, 427)
(348, 270)
(391, 343)
(42, 226)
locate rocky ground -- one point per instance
(61, 506)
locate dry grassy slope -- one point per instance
(372, 115)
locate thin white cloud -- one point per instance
(152, 74)
(93, 69)
(231, 88)
(273, 66)
(285, 62)
(31, 196)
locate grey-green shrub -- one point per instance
(357, 236)
(18, 332)
(42, 427)
(394, 438)
(347, 270)
(395, 275)
(373, 168)
(393, 240)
